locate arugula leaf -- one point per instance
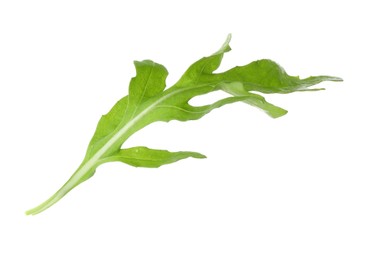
(144, 157)
(148, 101)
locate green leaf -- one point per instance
(150, 81)
(238, 89)
(266, 76)
(204, 66)
(107, 125)
(148, 101)
(144, 157)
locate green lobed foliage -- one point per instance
(148, 101)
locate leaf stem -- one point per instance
(84, 172)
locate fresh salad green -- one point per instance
(149, 101)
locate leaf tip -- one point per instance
(198, 156)
(277, 113)
(228, 37)
(225, 47)
(331, 78)
(337, 79)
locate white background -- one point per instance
(310, 185)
